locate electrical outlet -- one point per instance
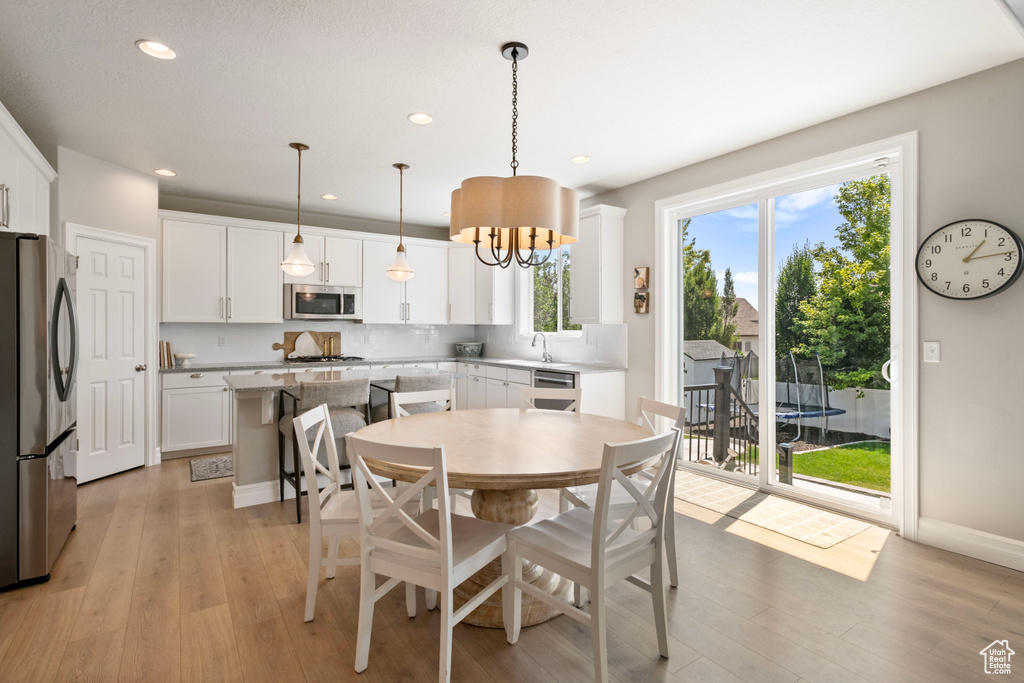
(511, 339)
(222, 341)
(931, 352)
(366, 339)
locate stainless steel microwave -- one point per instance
(317, 302)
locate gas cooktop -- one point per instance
(322, 359)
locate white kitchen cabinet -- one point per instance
(420, 300)
(476, 392)
(343, 262)
(194, 272)
(25, 179)
(254, 276)
(461, 393)
(597, 284)
(196, 411)
(338, 260)
(495, 295)
(462, 263)
(495, 394)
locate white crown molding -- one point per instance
(25, 144)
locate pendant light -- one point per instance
(400, 270)
(517, 214)
(297, 262)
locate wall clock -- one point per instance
(969, 259)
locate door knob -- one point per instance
(140, 368)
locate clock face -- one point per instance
(969, 259)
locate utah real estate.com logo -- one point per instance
(997, 657)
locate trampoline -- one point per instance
(800, 389)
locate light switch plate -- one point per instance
(222, 341)
(931, 352)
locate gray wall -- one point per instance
(971, 165)
(99, 194)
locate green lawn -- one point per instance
(865, 465)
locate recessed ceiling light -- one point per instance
(420, 118)
(165, 172)
(581, 159)
(155, 49)
(328, 196)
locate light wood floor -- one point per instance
(163, 580)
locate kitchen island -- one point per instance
(254, 427)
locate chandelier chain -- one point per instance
(515, 107)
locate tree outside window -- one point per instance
(551, 294)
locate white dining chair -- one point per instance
(593, 550)
(648, 412)
(435, 549)
(528, 397)
(335, 512)
(405, 403)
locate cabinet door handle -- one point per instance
(490, 311)
(5, 206)
(327, 272)
(401, 311)
(197, 375)
(229, 307)
(449, 312)
(408, 311)
(220, 307)
(323, 278)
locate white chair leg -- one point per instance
(427, 498)
(315, 560)
(658, 597)
(598, 632)
(430, 597)
(670, 547)
(367, 587)
(445, 658)
(332, 553)
(563, 503)
(507, 610)
(579, 595)
(410, 599)
(515, 606)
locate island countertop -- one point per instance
(277, 381)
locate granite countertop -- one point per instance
(282, 380)
(580, 368)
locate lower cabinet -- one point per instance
(196, 411)
(476, 392)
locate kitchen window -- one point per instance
(547, 294)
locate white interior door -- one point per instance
(111, 389)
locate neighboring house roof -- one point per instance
(745, 319)
(705, 349)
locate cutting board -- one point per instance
(319, 337)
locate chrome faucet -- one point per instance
(546, 357)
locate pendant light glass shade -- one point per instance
(400, 270)
(297, 262)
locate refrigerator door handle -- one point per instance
(64, 384)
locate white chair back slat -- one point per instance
(528, 397)
(649, 411)
(320, 418)
(374, 523)
(651, 502)
(442, 397)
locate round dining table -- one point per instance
(504, 455)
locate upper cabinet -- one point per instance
(338, 260)
(25, 179)
(495, 295)
(420, 300)
(461, 286)
(596, 287)
(215, 273)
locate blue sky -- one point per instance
(731, 235)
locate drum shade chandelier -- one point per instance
(400, 270)
(297, 262)
(515, 218)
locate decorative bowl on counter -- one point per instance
(184, 358)
(469, 349)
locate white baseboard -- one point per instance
(267, 492)
(1006, 552)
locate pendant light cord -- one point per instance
(401, 204)
(515, 107)
(298, 200)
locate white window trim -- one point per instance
(901, 152)
(524, 314)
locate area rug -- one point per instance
(801, 522)
(211, 468)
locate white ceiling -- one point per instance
(642, 87)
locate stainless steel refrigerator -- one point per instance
(38, 414)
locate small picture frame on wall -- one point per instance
(641, 302)
(641, 277)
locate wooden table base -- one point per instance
(518, 507)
